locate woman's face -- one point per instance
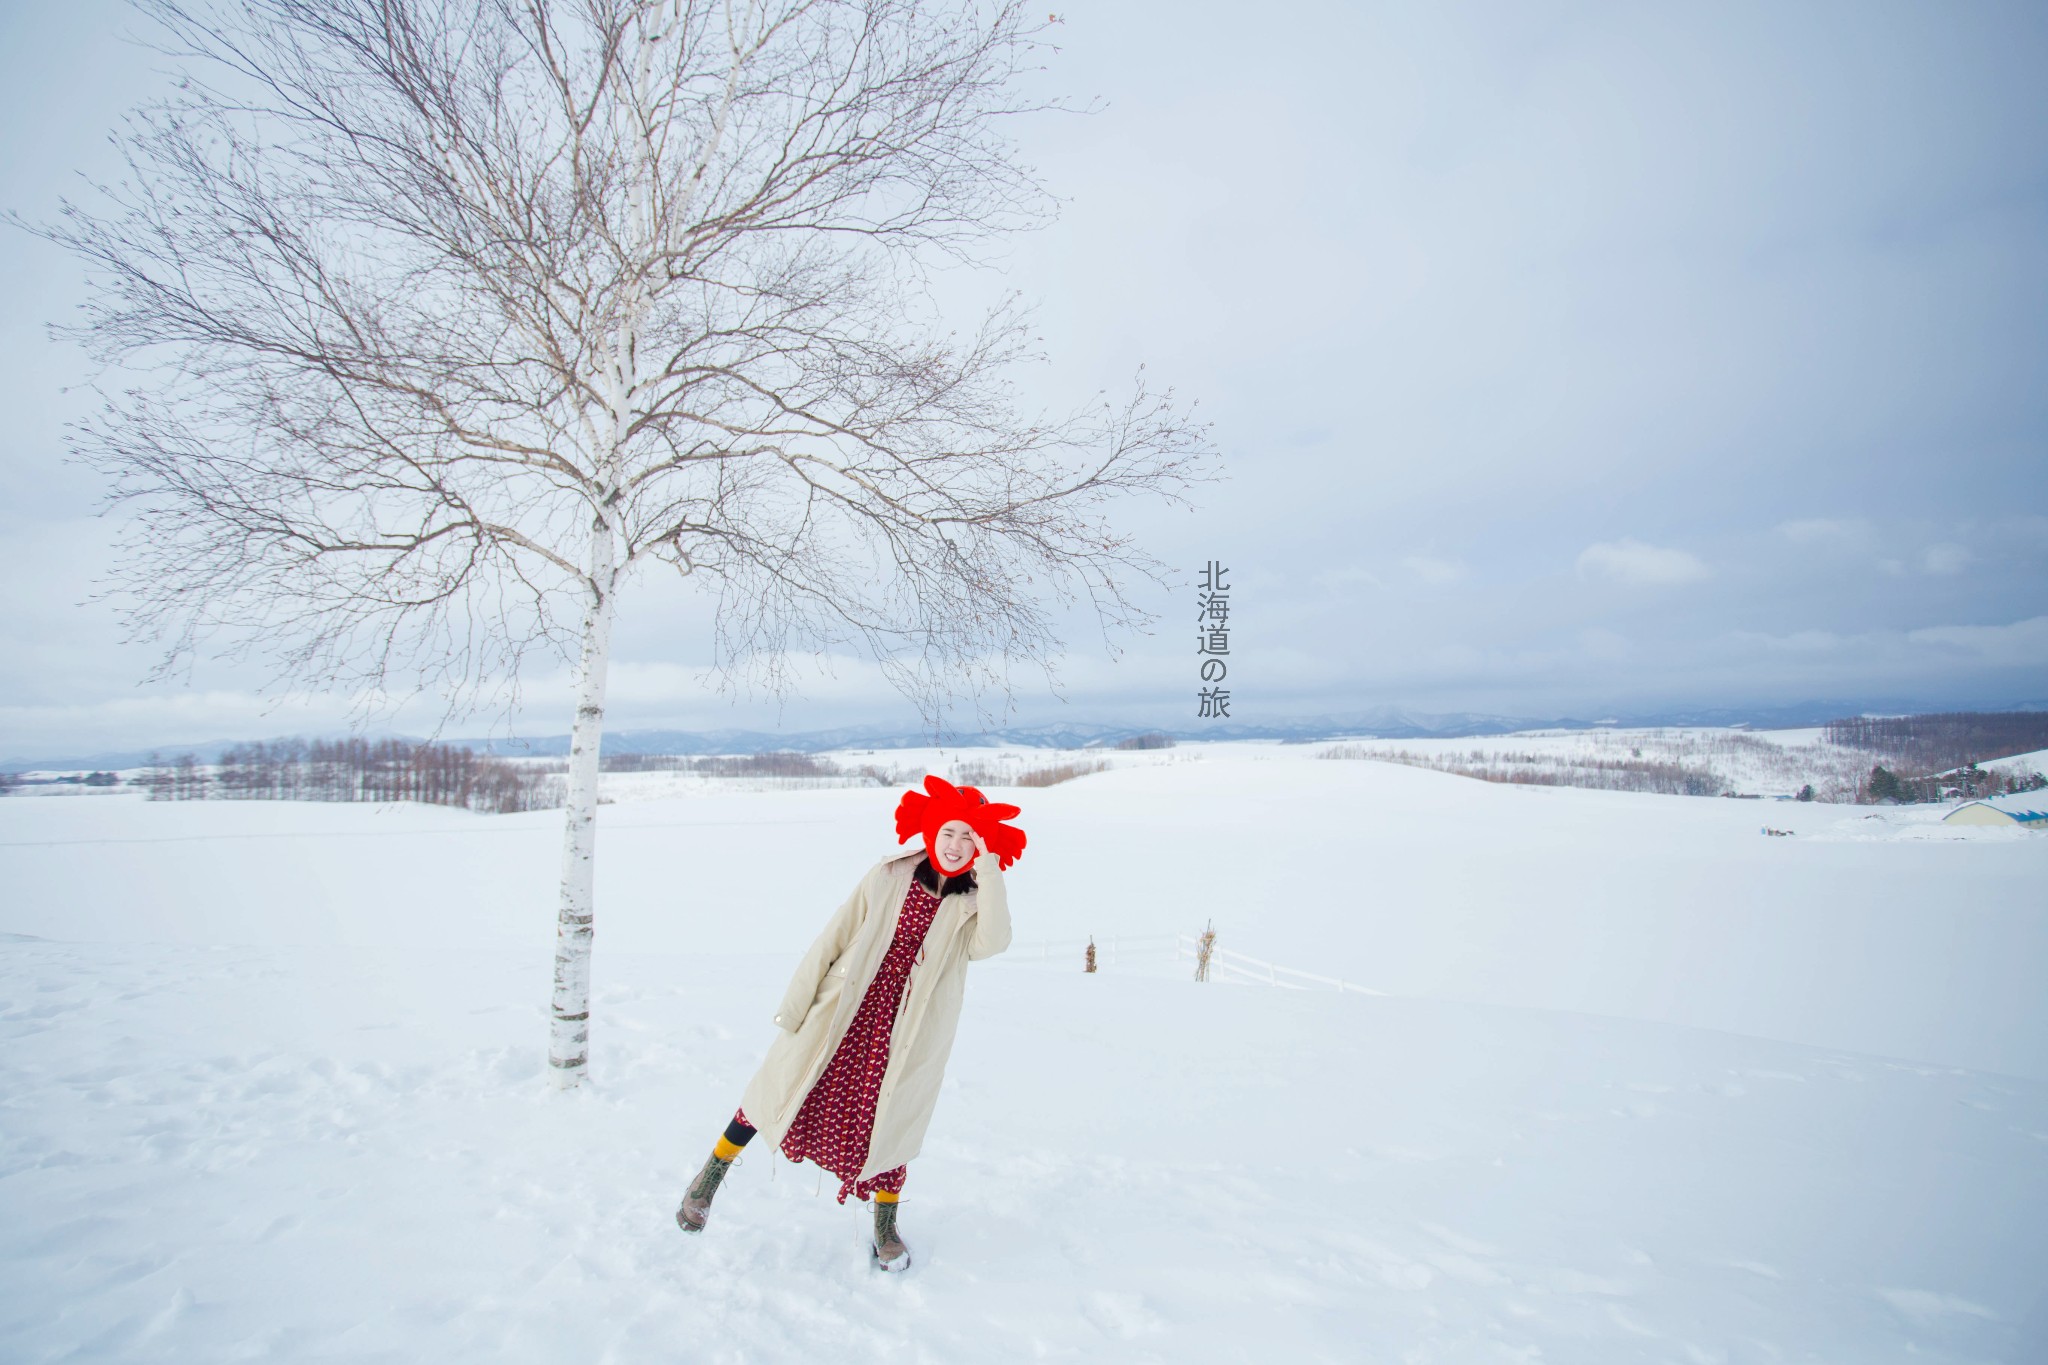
(955, 846)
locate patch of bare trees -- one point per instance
(355, 770)
(986, 773)
(1632, 774)
(777, 763)
(184, 778)
(783, 768)
(1945, 741)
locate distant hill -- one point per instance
(1386, 723)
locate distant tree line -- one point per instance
(10, 780)
(1615, 774)
(1945, 741)
(784, 766)
(355, 770)
(780, 763)
(801, 769)
(999, 774)
(1633, 774)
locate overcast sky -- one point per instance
(1565, 360)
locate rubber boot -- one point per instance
(696, 1208)
(888, 1251)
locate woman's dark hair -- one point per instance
(928, 878)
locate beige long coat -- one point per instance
(833, 978)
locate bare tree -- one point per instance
(447, 317)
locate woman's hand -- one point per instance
(980, 848)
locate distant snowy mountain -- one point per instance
(1384, 723)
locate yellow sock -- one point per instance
(724, 1151)
(886, 1196)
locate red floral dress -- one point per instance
(838, 1117)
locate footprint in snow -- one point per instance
(1122, 1316)
(1471, 1246)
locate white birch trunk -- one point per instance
(569, 1028)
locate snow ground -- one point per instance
(1649, 1086)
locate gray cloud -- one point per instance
(1570, 359)
(1631, 561)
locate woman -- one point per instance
(869, 1017)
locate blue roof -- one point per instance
(2010, 804)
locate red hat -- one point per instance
(923, 812)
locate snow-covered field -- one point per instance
(1646, 1085)
(1753, 762)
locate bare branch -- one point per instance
(421, 299)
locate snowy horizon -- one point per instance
(906, 729)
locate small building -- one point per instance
(1984, 813)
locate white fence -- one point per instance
(1224, 963)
